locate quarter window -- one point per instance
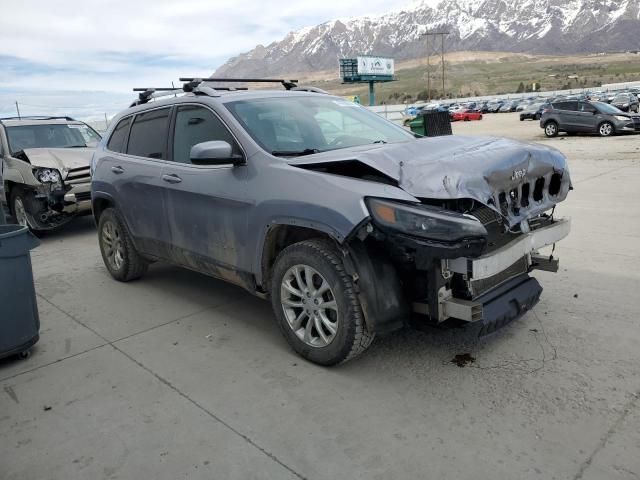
(148, 137)
(119, 135)
(195, 125)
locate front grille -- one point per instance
(539, 190)
(478, 287)
(78, 176)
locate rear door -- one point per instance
(567, 115)
(206, 205)
(139, 152)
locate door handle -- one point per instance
(117, 170)
(171, 178)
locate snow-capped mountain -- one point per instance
(532, 26)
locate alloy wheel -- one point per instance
(551, 129)
(606, 129)
(309, 305)
(112, 245)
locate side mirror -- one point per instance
(216, 152)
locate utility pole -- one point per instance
(433, 34)
(18, 110)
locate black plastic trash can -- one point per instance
(19, 320)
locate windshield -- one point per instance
(606, 108)
(621, 99)
(57, 135)
(290, 126)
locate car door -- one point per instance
(569, 120)
(586, 117)
(138, 151)
(206, 205)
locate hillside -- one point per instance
(523, 26)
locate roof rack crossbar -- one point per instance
(288, 84)
(40, 117)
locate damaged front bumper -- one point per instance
(54, 205)
(497, 286)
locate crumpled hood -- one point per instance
(454, 167)
(59, 158)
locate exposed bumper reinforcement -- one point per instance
(499, 260)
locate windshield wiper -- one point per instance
(295, 153)
(76, 146)
(380, 141)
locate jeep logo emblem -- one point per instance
(518, 174)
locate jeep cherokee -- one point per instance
(350, 224)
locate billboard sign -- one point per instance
(375, 66)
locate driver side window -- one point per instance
(585, 107)
(195, 125)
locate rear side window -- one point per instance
(195, 125)
(119, 136)
(571, 106)
(148, 137)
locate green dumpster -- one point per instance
(417, 126)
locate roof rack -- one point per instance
(195, 85)
(287, 84)
(39, 117)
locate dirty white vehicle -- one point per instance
(46, 174)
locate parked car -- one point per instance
(494, 106)
(533, 111)
(587, 117)
(46, 174)
(348, 233)
(627, 102)
(466, 116)
(510, 106)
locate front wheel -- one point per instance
(315, 303)
(18, 204)
(118, 253)
(606, 129)
(551, 129)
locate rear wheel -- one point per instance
(315, 303)
(606, 129)
(551, 129)
(118, 253)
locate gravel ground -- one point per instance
(182, 376)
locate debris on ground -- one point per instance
(463, 359)
(575, 295)
(534, 330)
(46, 408)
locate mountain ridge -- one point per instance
(522, 26)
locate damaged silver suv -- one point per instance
(349, 224)
(46, 169)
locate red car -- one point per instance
(466, 116)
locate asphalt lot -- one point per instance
(182, 376)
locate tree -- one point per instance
(520, 88)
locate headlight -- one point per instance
(47, 175)
(423, 221)
(621, 118)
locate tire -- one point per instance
(18, 203)
(348, 336)
(538, 116)
(606, 129)
(551, 129)
(521, 118)
(120, 257)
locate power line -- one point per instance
(428, 35)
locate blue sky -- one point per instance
(82, 58)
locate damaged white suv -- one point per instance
(46, 169)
